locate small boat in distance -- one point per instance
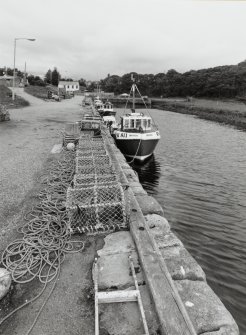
(137, 135)
(107, 109)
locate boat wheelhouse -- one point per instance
(107, 109)
(136, 122)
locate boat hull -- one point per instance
(107, 113)
(138, 148)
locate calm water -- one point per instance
(198, 175)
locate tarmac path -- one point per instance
(25, 144)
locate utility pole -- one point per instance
(20, 38)
(25, 75)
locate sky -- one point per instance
(91, 39)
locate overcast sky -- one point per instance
(89, 39)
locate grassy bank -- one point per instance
(6, 99)
(37, 91)
(40, 92)
(228, 112)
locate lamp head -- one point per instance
(31, 39)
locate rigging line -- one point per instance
(128, 98)
(136, 152)
(146, 106)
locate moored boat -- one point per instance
(137, 135)
(107, 109)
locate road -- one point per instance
(25, 145)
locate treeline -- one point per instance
(221, 81)
(32, 80)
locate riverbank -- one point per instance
(227, 112)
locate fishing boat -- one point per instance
(137, 135)
(107, 109)
(98, 102)
(100, 107)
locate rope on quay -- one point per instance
(46, 235)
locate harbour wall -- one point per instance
(182, 299)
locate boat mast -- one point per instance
(133, 94)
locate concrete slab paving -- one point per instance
(119, 242)
(114, 271)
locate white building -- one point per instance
(69, 86)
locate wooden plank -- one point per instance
(168, 307)
(140, 303)
(117, 296)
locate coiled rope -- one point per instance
(46, 235)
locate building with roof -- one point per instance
(69, 86)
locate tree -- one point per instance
(82, 82)
(48, 77)
(55, 77)
(111, 84)
(35, 80)
(92, 86)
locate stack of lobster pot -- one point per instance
(96, 201)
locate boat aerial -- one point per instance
(137, 135)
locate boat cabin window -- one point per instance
(138, 123)
(132, 123)
(127, 123)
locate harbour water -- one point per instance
(198, 175)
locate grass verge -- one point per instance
(236, 118)
(6, 99)
(40, 92)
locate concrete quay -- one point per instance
(175, 294)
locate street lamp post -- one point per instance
(20, 38)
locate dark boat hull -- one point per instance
(107, 113)
(136, 148)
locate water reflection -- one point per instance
(149, 174)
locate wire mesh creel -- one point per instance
(97, 207)
(90, 180)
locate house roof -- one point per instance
(64, 82)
